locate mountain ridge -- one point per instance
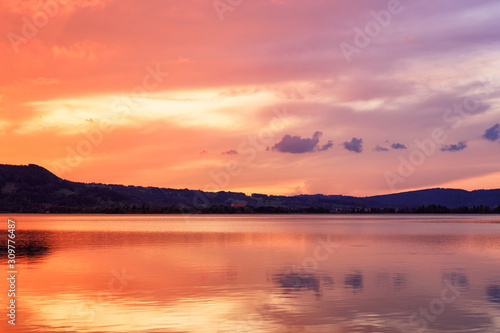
(33, 189)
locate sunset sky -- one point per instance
(255, 96)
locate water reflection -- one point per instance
(493, 293)
(30, 246)
(459, 280)
(233, 274)
(355, 281)
(292, 282)
(396, 281)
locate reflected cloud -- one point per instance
(355, 281)
(396, 281)
(399, 281)
(493, 293)
(459, 280)
(290, 283)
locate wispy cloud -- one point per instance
(230, 152)
(455, 147)
(42, 81)
(326, 146)
(380, 148)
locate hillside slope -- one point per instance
(33, 189)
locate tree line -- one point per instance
(224, 209)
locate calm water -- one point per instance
(298, 273)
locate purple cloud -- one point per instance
(458, 147)
(356, 145)
(380, 148)
(398, 146)
(298, 145)
(492, 133)
(327, 146)
(230, 152)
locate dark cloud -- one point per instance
(203, 152)
(398, 146)
(298, 145)
(458, 147)
(379, 148)
(230, 152)
(492, 133)
(355, 145)
(327, 146)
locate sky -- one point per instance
(265, 96)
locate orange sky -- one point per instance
(277, 97)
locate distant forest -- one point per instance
(33, 189)
(222, 209)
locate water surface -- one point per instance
(233, 273)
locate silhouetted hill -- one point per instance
(450, 198)
(33, 189)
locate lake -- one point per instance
(254, 273)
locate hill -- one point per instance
(33, 189)
(451, 198)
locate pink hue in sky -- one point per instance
(85, 64)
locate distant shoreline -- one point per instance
(249, 210)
